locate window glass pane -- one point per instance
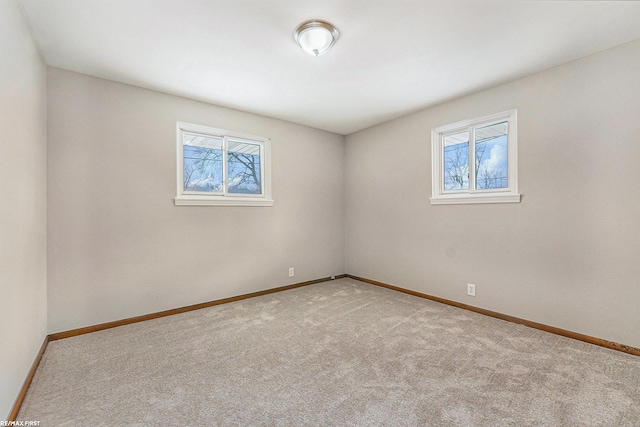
(491, 156)
(243, 163)
(202, 163)
(456, 161)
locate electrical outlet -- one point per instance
(333, 277)
(291, 272)
(471, 290)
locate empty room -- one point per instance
(256, 212)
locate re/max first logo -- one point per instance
(19, 423)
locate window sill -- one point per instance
(221, 201)
(463, 199)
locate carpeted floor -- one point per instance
(335, 353)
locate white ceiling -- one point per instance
(393, 57)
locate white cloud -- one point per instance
(497, 158)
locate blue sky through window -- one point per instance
(491, 160)
(203, 165)
(202, 169)
(244, 173)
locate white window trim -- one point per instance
(501, 195)
(189, 198)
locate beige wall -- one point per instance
(568, 255)
(118, 245)
(23, 245)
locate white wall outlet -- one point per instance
(292, 272)
(333, 277)
(471, 290)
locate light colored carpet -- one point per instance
(334, 353)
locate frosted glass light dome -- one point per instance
(315, 36)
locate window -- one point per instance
(219, 167)
(475, 161)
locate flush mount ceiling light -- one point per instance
(315, 36)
